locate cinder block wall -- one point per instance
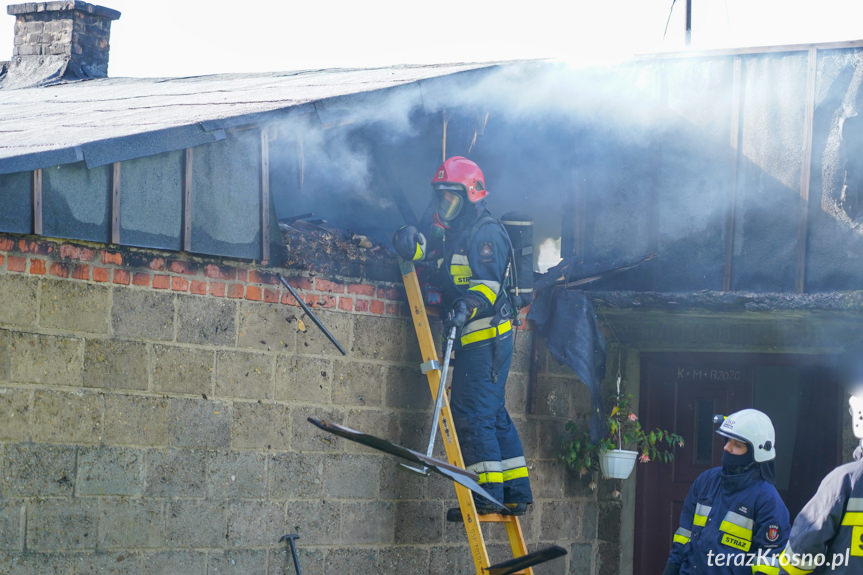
(153, 419)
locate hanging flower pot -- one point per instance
(617, 463)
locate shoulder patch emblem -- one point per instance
(486, 250)
(772, 533)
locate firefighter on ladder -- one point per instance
(733, 520)
(471, 251)
(827, 534)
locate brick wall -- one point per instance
(153, 420)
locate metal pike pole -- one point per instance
(311, 314)
(290, 539)
(437, 404)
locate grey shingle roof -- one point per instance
(113, 119)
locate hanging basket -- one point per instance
(617, 463)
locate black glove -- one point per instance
(457, 316)
(409, 243)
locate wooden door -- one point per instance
(682, 393)
(801, 394)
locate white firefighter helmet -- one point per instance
(856, 403)
(753, 427)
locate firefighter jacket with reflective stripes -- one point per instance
(827, 535)
(730, 524)
(475, 262)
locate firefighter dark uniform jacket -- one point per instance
(827, 536)
(475, 263)
(729, 525)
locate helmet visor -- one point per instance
(449, 204)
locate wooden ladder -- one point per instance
(522, 560)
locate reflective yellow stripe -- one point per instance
(787, 562)
(460, 274)
(682, 536)
(768, 569)
(517, 473)
(699, 520)
(486, 291)
(736, 530)
(701, 513)
(486, 333)
(418, 254)
(491, 477)
(853, 518)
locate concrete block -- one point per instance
(237, 475)
(405, 559)
(34, 563)
(608, 522)
(200, 423)
(206, 321)
(265, 327)
(448, 559)
(313, 341)
(12, 525)
(381, 338)
(254, 523)
(131, 524)
(37, 471)
(75, 306)
(608, 558)
(143, 315)
(62, 525)
(352, 476)
(419, 522)
(551, 398)
(296, 476)
(113, 364)
(106, 563)
(194, 523)
(136, 420)
(14, 413)
(64, 417)
(174, 562)
(46, 359)
(353, 560)
(237, 562)
(23, 291)
(315, 521)
(547, 478)
(106, 470)
(560, 519)
(244, 375)
(358, 383)
(522, 352)
(398, 483)
(304, 379)
(313, 561)
(408, 388)
(175, 473)
(580, 559)
(368, 523)
(259, 425)
(183, 370)
(307, 437)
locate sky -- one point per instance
(172, 38)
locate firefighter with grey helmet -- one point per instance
(469, 251)
(733, 519)
(827, 534)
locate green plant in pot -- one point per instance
(625, 441)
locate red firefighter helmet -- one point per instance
(461, 171)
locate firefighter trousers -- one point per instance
(489, 440)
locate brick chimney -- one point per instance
(58, 41)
